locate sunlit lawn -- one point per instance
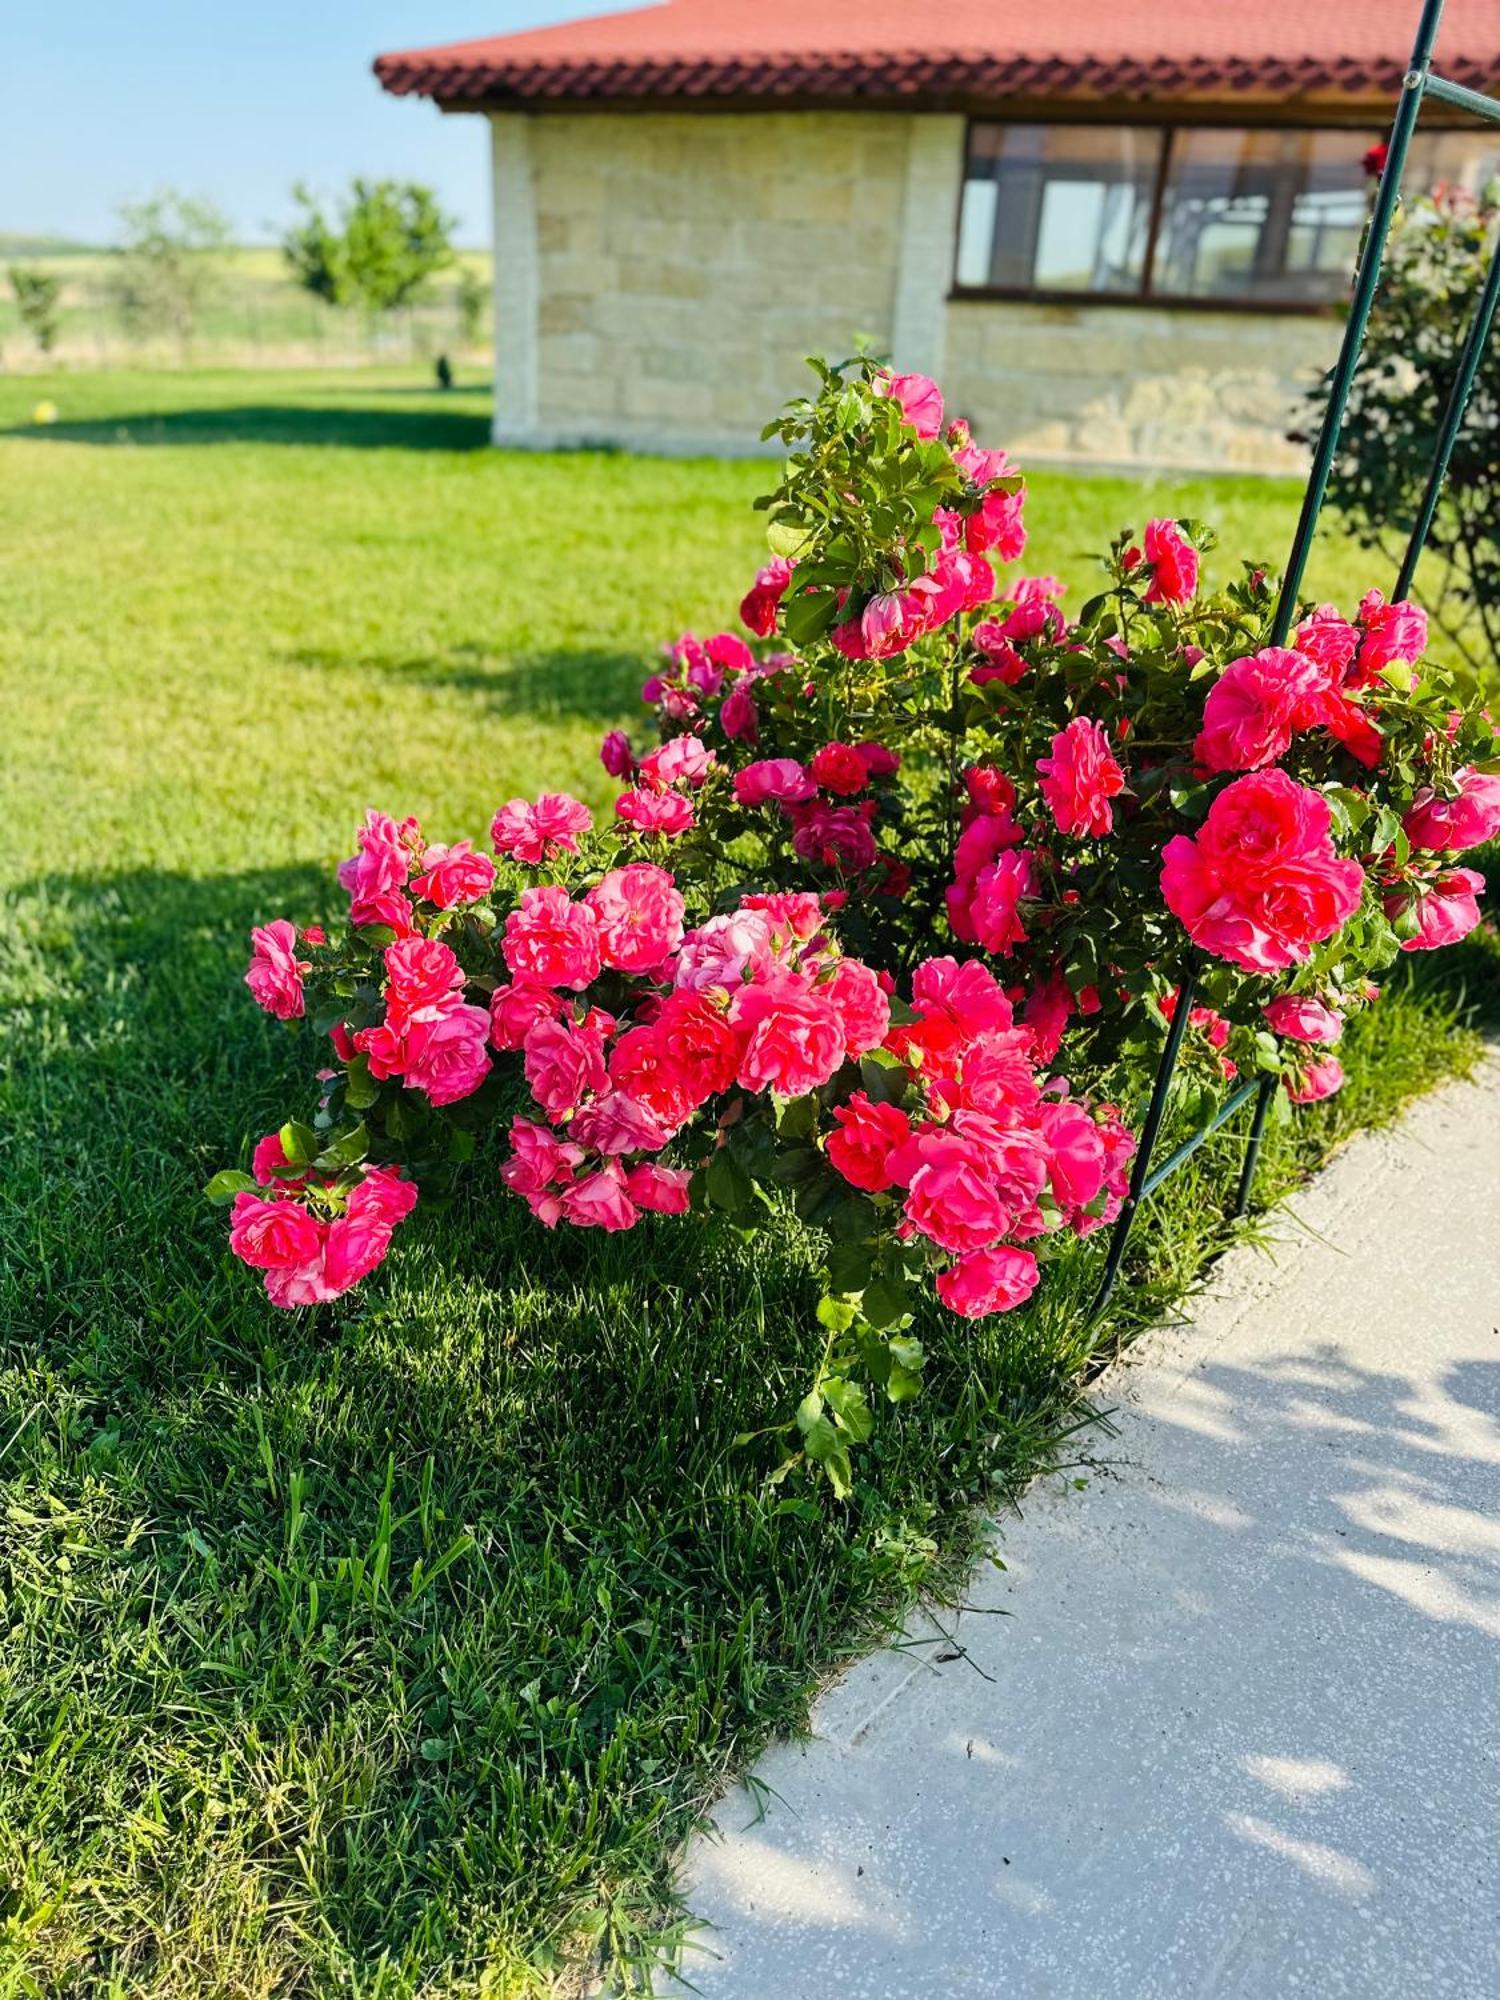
(365, 1650)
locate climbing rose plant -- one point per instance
(886, 922)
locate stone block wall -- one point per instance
(659, 278)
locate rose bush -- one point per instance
(885, 861)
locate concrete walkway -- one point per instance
(1237, 1734)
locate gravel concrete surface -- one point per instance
(1236, 1731)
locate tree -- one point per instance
(377, 253)
(1435, 263)
(169, 264)
(37, 295)
(472, 297)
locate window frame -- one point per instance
(1145, 298)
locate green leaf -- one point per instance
(902, 1384)
(836, 1314)
(848, 1267)
(885, 1302)
(727, 1184)
(225, 1186)
(360, 1088)
(850, 1410)
(299, 1143)
(346, 1151)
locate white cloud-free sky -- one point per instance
(105, 100)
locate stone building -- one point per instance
(1117, 232)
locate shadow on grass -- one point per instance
(581, 683)
(289, 423)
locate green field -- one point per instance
(254, 316)
(389, 1650)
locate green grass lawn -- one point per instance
(388, 1650)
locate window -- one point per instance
(1212, 214)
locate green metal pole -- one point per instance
(1412, 87)
(1263, 1098)
(1155, 1112)
(1453, 417)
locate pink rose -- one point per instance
(989, 1281)
(759, 605)
(1300, 1018)
(997, 524)
(867, 1134)
(539, 1161)
(1329, 639)
(1316, 1081)
(682, 761)
(615, 754)
(1080, 778)
(861, 1005)
(1446, 909)
(792, 1039)
(738, 716)
(600, 1200)
(1255, 706)
(1075, 1153)
(774, 780)
(454, 875)
(564, 1063)
(446, 1056)
(1048, 1009)
(391, 911)
(1173, 561)
(1261, 884)
(1451, 826)
(275, 972)
(725, 952)
(385, 1194)
(839, 767)
(618, 1123)
(987, 911)
(729, 651)
(515, 1011)
(920, 398)
(1393, 634)
(639, 915)
(665, 813)
(267, 1162)
(552, 940)
(532, 834)
(273, 1235)
(422, 978)
(879, 762)
(663, 1190)
(835, 837)
(953, 1196)
(383, 861)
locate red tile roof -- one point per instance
(896, 52)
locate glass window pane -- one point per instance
(1455, 159)
(1057, 207)
(1274, 216)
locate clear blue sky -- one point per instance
(105, 100)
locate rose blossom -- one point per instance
(616, 755)
(454, 875)
(1316, 1081)
(538, 1160)
(835, 837)
(617, 1123)
(666, 813)
(920, 398)
(600, 1200)
(792, 1037)
(564, 1063)
(552, 940)
(273, 1235)
(953, 1197)
(664, 1190)
(989, 1281)
(1447, 909)
(1393, 634)
(1075, 1153)
(516, 1009)
(446, 1056)
(778, 780)
(391, 911)
(839, 767)
(738, 716)
(422, 977)
(867, 1134)
(725, 951)
(1300, 1018)
(1453, 825)
(267, 1160)
(383, 861)
(1254, 708)
(275, 972)
(1173, 561)
(861, 1005)
(682, 760)
(1328, 638)
(1080, 778)
(988, 910)
(1261, 883)
(759, 605)
(531, 834)
(639, 915)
